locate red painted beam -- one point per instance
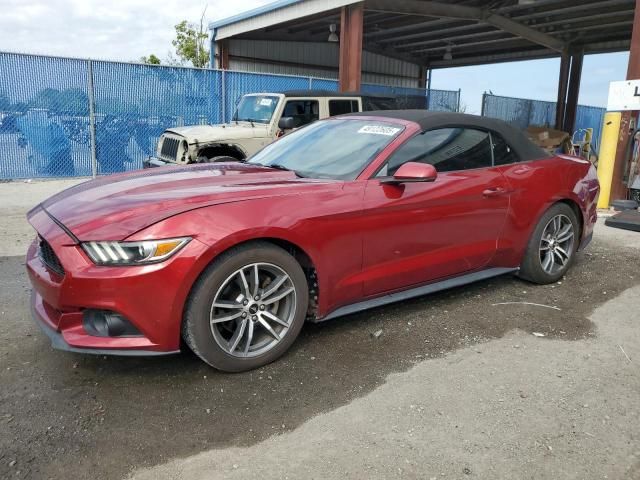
(351, 27)
(223, 54)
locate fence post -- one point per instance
(484, 100)
(459, 94)
(428, 89)
(529, 109)
(310, 83)
(92, 119)
(223, 95)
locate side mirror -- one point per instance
(286, 123)
(413, 172)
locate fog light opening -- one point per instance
(105, 323)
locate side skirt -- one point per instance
(417, 292)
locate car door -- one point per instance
(302, 110)
(421, 232)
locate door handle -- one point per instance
(495, 191)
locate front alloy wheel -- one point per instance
(247, 307)
(253, 310)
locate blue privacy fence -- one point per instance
(523, 112)
(62, 117)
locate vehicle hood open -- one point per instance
(115, 207)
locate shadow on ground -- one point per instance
(71, 416)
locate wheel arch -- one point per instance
(222, 149)
(523, 240)
(296, 251)
(566, 199)
(576, 210)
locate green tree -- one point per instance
(190, 44)
(151, 60)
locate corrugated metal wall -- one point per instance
(268, 16)
(316, 59)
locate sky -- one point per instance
(128, 29)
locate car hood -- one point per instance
(115, 207)
(227, 131)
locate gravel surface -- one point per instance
(450, 385)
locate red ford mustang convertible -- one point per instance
(339, 216)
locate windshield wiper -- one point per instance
(250, 120)
(279, 166)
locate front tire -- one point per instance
(552, 247)
(247, 308)
(217, 159)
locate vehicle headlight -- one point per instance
(133, 253)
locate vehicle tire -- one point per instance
(219, 158)
(552, 247)
(234, 323)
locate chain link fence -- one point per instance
(524, 112)
(63, 117)
(434, 100)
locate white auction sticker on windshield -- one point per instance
(379, 130)
(266, 102)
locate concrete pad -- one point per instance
(518, 407)
(16, 199)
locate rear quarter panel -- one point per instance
(537, 185)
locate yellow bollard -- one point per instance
(607, 157)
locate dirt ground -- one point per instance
(460, 384)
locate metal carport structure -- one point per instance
(406, 39)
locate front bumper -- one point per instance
(150, 297)
(58, 342)
(151, 162)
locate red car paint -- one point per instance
(364, 238)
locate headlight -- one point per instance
(133, 253)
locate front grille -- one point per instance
(169, 148)
(49, 257)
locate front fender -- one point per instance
(322, 227)
(217, 239)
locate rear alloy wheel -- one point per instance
(247, 308)
(552, 246)
(556, 244)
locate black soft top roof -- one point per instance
(523, 146)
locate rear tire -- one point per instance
(552, 246)
(264, 317)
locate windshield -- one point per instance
(256, 108)
(338, 149)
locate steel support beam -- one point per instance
(618, 188)
(350, 66)
(575, 76)
(422, 78)
(426, 38)
(464, 12)
(563, 80)
(223, 54)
